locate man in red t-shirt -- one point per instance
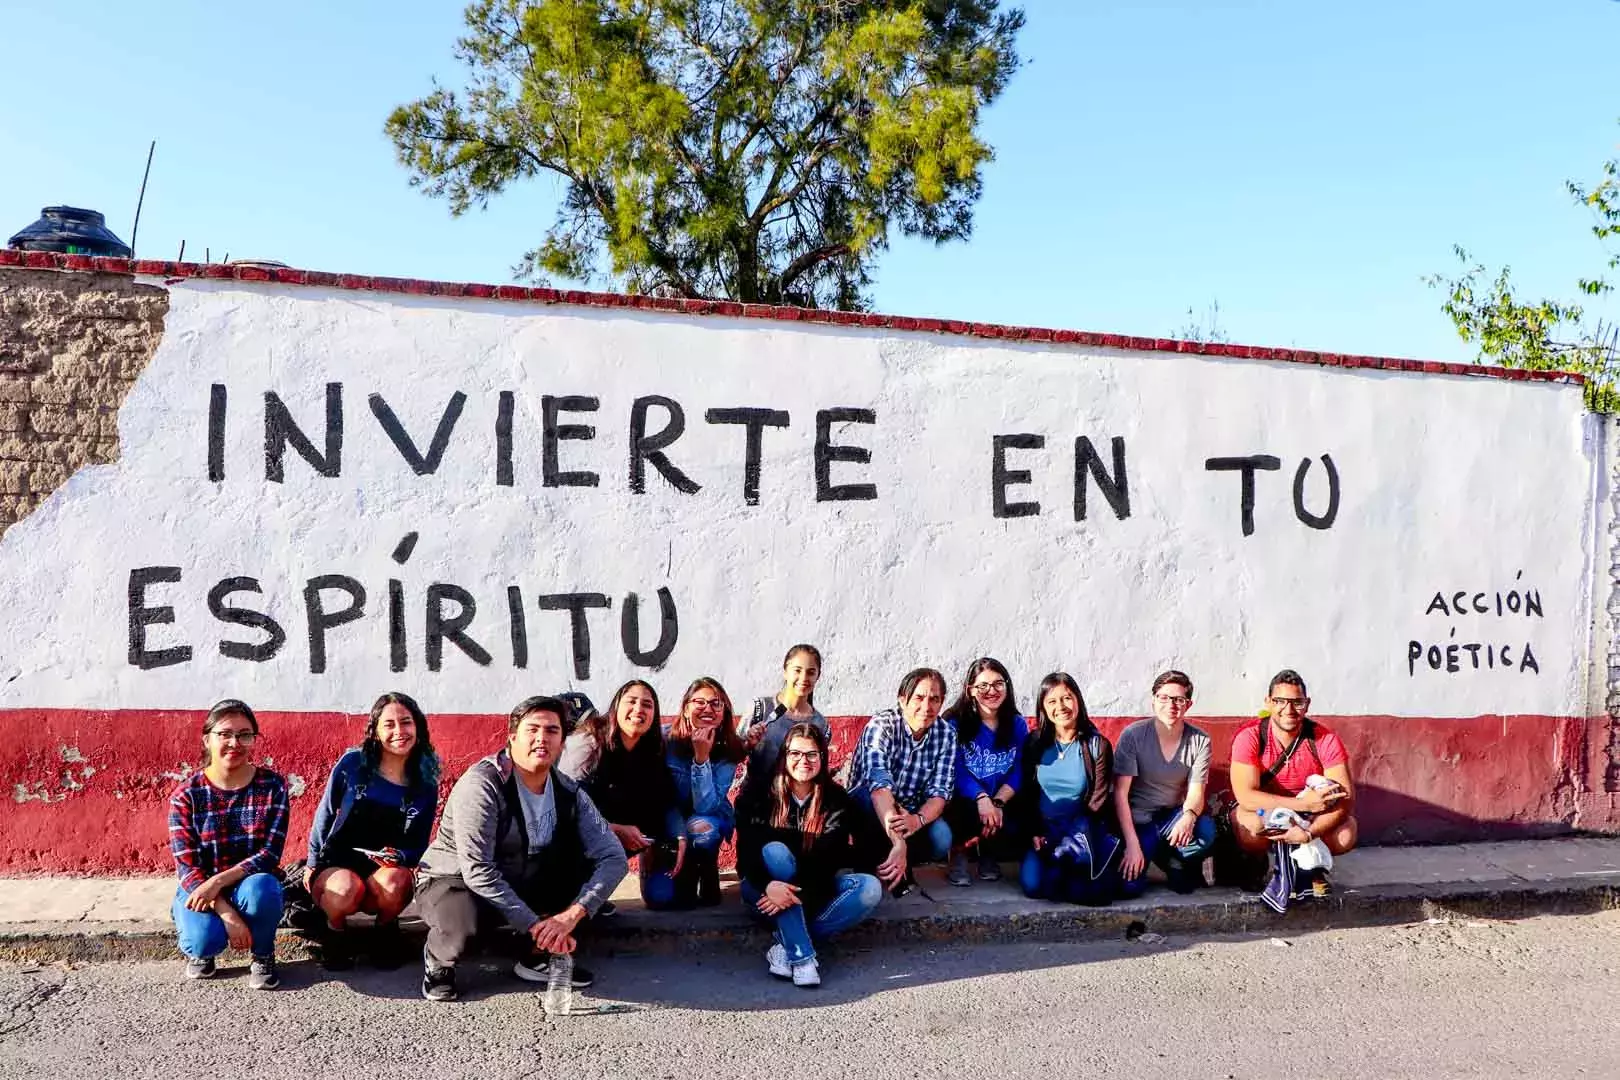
(1272, 759)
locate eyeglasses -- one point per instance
(804, 755)
(242, 738)
(1298, 704)
(1172, 701)
(707, 704)
(990, 687)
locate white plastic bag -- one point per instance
(1313, 856)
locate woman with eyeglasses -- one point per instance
(227, 825)
(795, 839)
(702, 750)
(1065, 794)
(1161, 770)
(618, 760)
(371, 828)
(990, 736)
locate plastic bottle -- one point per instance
(559, 997)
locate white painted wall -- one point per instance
(1448, 484)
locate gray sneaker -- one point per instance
(200, 967)
(262, 974)
(958, 872)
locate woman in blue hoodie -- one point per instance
(371, 828)
(990, 738)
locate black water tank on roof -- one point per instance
(72, 230)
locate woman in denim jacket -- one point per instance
(703, 752)
(371, 828)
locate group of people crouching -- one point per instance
(537, 836)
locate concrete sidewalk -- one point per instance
(127, 918)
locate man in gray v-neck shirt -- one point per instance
(1160, 799)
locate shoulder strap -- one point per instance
(1307, 734)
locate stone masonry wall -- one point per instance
(71, 345)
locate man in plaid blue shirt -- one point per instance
(903, 774)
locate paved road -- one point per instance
(1534, 998)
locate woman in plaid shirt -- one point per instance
(227, 824)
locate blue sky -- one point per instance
(1302, 164)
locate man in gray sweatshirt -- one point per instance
(518, 842)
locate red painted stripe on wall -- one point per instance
(86, 790)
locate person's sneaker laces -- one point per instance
(537, 968)
(439, 984)
(958, 873)
(200, 967)
(262, 973)
(776, 957)
(806, 973)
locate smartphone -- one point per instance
(385, 856)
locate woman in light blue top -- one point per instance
(1065, 796)
(703, 752)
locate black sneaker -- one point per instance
(989, 870)
(439, 984)
(386, 947)
(537, 968)
(200, 967)
(333, 950)
(906, 885)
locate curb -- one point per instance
(1208, 913)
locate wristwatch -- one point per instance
(999, 804)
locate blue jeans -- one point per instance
(856, 896)
(1078, 864)
(930, 844)
(710, 839)
(1182, 866)
(202, 933)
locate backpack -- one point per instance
(1307, 735)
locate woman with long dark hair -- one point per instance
(617, 757)
(371, 828)
(1064, 793)
(227, 825)
(990, 737)
(794, 840)
(766, 726)
(703, 751)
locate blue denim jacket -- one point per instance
(702, 789)
(343, 789)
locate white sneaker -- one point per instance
(776, 957)
(806, 973)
